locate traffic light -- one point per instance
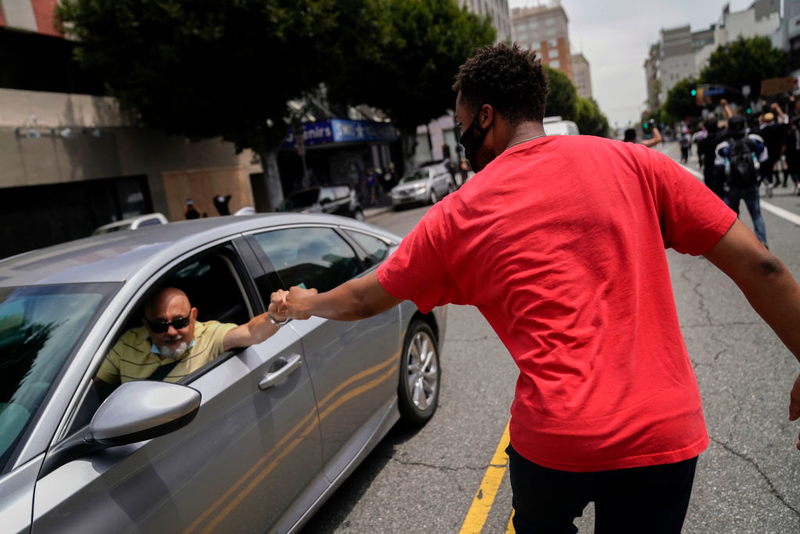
(694, 92)
(749, 111)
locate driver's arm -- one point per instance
(253, 332)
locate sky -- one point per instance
(615, 37)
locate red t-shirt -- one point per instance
(560, 243)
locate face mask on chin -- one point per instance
(472, 142)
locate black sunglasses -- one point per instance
(159, 327)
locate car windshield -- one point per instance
(415, 176)
(301, 199)
(40, 328)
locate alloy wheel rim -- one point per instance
(423, 366)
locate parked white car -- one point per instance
(428, 184)
(557, 126)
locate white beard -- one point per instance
(167, 352)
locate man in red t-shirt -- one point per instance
(560, 243)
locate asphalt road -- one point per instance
(747, 481)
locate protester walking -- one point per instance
(739, 154)
(559, 242)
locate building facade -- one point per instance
(544, 29)
(582, 75)
(497, 10)
(681, 53)
(437, 140)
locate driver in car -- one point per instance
(172, 343)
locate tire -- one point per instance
(358, 215)
(420, 375)
(451, 188)
(433, 198)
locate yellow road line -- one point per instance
(510, 527)
(484, 498)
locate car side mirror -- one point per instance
(142, 410)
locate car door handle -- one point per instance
(290, 364)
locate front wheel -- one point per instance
(358, 215)
(418, 390)
(433, 198)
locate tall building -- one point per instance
(437, 140)
(581, 75)
(681, 53)
(497, 10)
(544, 29)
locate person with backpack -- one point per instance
(739, 154)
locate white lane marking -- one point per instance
(766, 206)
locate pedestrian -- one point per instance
(685, 142)
(792, 152)
(372, 181)
(739, 153)
(463, 170)
(559, 242)
(713, 175)
(189, 210)
(772, 132)
(221, 203)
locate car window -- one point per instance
(40, 327)
(301, 199)
(341, 191)
(326, 194)
(415, 176)
(316, 257)
(376, 249)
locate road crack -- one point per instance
(752, 462)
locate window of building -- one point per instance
(536, 45)
(550, 31)
(552, 43)
(520, 27)
(549, 21)
(556, 64)
(533, 24)
(552, 53)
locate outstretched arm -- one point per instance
(355, 299)
(653, 141)
(253, 332)
(768, 286)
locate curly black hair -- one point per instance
(510, 79)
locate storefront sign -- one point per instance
(342, 131)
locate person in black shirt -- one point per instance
(792, 151)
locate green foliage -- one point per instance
(409, 54)
(203, 68)
(563, 97)
(589, 118)
(745, 62)
(680, 103)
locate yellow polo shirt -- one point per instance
(132, 358)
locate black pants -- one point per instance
(639, 500)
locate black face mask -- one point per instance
(472, 142)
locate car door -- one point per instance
(251, 452)
(353, 365)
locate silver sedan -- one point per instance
(254, 441)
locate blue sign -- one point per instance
(714, 92)
(342, 131)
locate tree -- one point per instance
(745, 62)
(680, 103)
(589, 118)
(409, 70)
(562, 96)
(205, 69)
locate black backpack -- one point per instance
(742, 169)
